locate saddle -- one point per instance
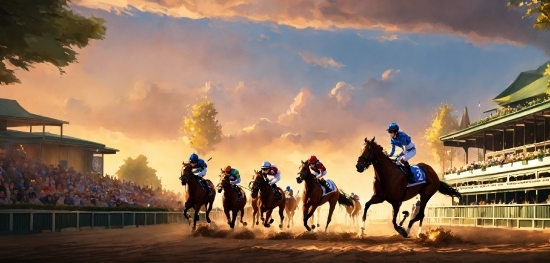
(276, 192)
(204, 185)
(324, 184)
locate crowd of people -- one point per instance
(27, 181)
(503, 111)
(499, 161)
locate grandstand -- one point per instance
(508, 185)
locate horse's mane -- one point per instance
(375, 144)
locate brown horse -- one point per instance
(268, 199)
(231, 202)
(290, 207)
(352, 211)
(390, 184)
(196, 195)
(312, 196)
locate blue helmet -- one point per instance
(288, 188)
(193, 158)
(393, 127)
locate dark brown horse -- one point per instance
(231, 202)
(268, 199)
(313, 196)
(390, 184)
(196, 195)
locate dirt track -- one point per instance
(173, 243)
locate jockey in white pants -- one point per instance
(200, 168)
(269, 169)
(402, 140)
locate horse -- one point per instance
(196, 195)
(390, 184)
(290, 207)
(255, 203)
(313, 196)
(353, 211)
(231, 202)
(268, 200)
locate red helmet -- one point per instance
(312, 159)
(227, 168)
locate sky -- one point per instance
(289, 78)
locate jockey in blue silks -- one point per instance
(199, 170)
(402, 140)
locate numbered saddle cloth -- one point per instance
(419, 175)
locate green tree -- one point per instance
(202, 127)
(43, 31)
(444, 122)
(138, 171)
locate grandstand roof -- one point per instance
(13, 115)
(527, 84)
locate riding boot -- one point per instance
(410, 173)
(206, 187)
(236, 188)
(276, 191)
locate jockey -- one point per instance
(269, 169)
(234, 178)
(289, 192)
(402, 140)
(200, 168)
(318, 169)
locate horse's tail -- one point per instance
(446, 189)
(344, 200)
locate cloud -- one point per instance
(324, 62)
(479, 21)
(76, 107)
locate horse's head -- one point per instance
(224, 182)
(186, 173)
(259, 182)
(305, 173)
(368, 155)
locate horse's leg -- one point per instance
(330, 210)
(267, 222)
(305, 211)
(226, 212)
(419, 216)
(375, 199)
(281, 215)
(287, 219)
(187, 206)
(242, 216)
(310, 214)
(397, 228)
(233, 218)
(210, 204)
(196, 217)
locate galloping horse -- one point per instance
(231, 202)
(390, 184)
(313, 196)
(255, 203)
(353, 211)
(290, 207)
(196, 195)
(268, 199)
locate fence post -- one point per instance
(93, 216)
(11, 221)
(109, 220)
(145, 216)
(53, 222)
(154, 218)
(135, 219)
(31, 221)
(77, 220)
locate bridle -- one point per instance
(363, 162)
(303, 175)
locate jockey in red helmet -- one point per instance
(318, 169)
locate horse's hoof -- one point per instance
(288, 226)
(244, 223)
(281, 226)
(257, 223)
(318, 225)
(271, 221)
(208, 220)
(312, 226)
(267, 225)
(308, 229)
(402, 231)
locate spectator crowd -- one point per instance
(26, 181)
